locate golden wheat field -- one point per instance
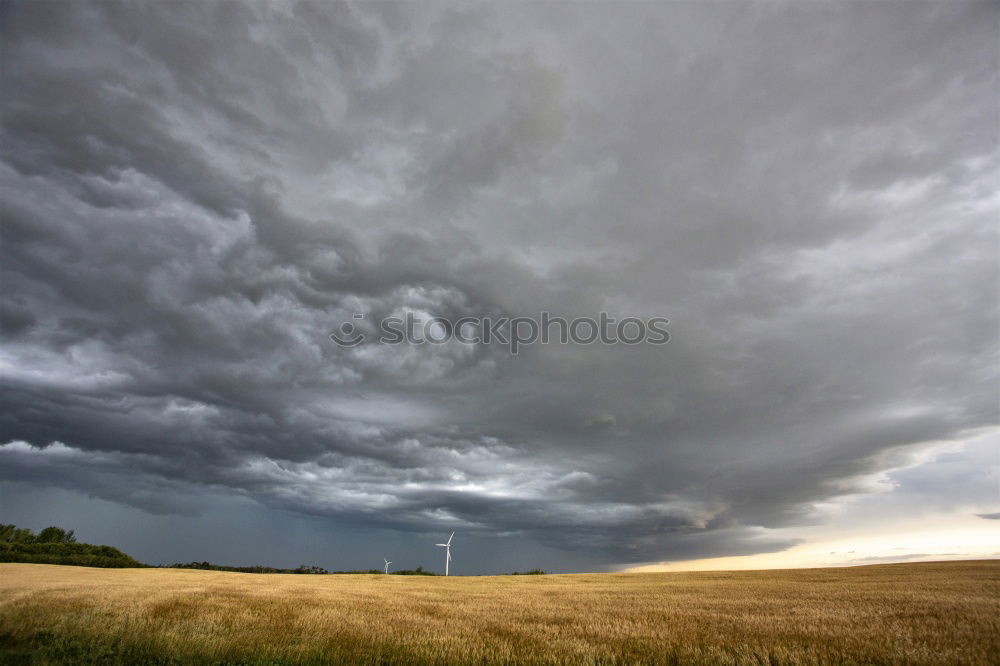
(928, 613)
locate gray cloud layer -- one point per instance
(196, 194)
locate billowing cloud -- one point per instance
(195, 196)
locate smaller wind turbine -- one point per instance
(387, 563)
(447, 552)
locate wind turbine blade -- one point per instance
(443, 545)
(450, 538)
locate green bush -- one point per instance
(77, 554)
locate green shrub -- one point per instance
(77, 554)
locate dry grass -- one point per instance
(934, 613)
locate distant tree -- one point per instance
(55, 535)
(257, 568)
(12, 534)
(419, 571)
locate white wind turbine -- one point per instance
(387, 563)
(447, 552)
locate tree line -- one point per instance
(54, 545)
(257, 568)
(302, 569)
(10, 533)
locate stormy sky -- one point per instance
(195, 195)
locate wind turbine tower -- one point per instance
(447, 552)
(387, 563)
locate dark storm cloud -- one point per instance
(195, 195)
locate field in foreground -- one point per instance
(928, 613)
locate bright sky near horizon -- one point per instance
(880, 526)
